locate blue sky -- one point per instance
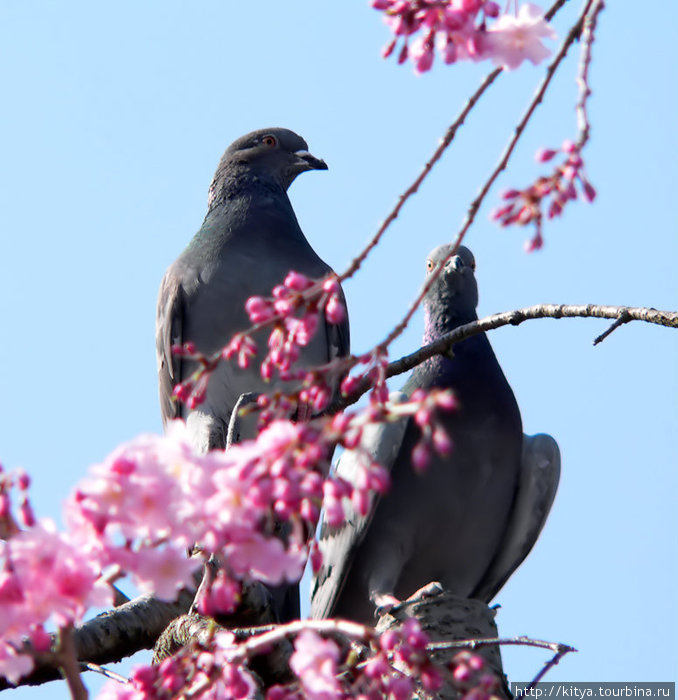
(115, 116)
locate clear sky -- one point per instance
(114, 118)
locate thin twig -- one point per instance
(412, 189)
(68, 664)
(623, 318)
(349, 629)
(549, 665)
(474, 207)
(472, 644)
(669, 319)
(558, 648)
(588, 37)
(95, 668)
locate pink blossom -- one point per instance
(58, 582)
(12, 664)
(511, 39)
(589, 190)
(529, 205)
(334, 310)
(163, 571)
(306, 328)
(400, 688)
(314, 661)
(421, 53)
(421, 456)
(266, 559)
(331, 285)
(462, 30)
(542, 156)
(441, 441)
(349, 383)
(114, 690)
(259, 309)
(297, 281)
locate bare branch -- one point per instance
(549, 665)
(668, 319)
(623, 318)
(105, 672)
(66, 658)
(473, 644)
(588, 37)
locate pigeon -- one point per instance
(249, 241)
(470, 519)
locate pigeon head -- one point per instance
(455, 292)
(274, 153)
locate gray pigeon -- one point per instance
(248, 242)
(473, 516)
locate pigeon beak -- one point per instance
(456, 263)
(310, 162)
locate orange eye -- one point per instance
(429, 265)
(269, 140)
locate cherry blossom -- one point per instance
(513, 39)
(464, 30)
(201, 671)
(44, 578)
(552, 192)
(314, 661)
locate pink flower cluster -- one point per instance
(207, 672)
(554, 191)
(44, 579)
(459, 29)
(472, 677)
(433, 436)
(295, 311)
(314, 662)
(374, 372)
(398, 661)
(395, 665)
(141, 510)
(155, 497)
(402, 648)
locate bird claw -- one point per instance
(428, 591)
(384, 603)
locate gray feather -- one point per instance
(538, 483)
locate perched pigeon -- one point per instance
(248, 242)
(473, 516)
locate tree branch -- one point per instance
(473, 644)
(621, 315)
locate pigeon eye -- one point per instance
(269, 140)
(429, 265)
